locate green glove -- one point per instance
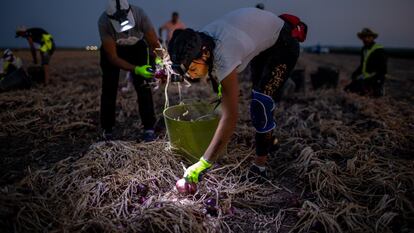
(158, 61)
(144, 71)
(192, 173)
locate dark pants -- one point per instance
(270, 70)
(136, 55)
(371, 86)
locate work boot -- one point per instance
(255, 175)
(149, 135)
(107, 135)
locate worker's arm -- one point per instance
(152, 40)
(32, 49)
(380, 62)
(358, 71)
(229, 117)
(225, 129)
(109, 46)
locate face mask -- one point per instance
(199, 77)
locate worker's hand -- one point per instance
(144, 71)
(158, 61)
(192, 173)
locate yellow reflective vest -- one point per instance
(47, 43)
(367, 54)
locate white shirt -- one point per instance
(240, 36)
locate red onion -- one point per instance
(141, 200)
(210, 202)
(211, 206)
(185, 187)
(212, 211)
(142, 189)
(159, 205)
(160, 74)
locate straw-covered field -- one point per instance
(343, 163)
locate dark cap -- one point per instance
(367, 32)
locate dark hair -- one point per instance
(175, 13)
(210, 44)
(260, 6)
(184, 46)
(187, 45)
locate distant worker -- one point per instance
(260, 6)
(170, 26)
(12, 75)
(128, 41)
(369, 77)
(39, 38)
(224, 48)
(9, 63)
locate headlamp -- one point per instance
(124, 22)
(120, 15)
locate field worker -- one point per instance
(369, 77)
(126, 31)
(12, 74)
(224, 48)
(170, 26)
(40, 39)
(9, 63)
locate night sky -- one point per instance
(73, 23)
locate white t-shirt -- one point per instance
(240, 36)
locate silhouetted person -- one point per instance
(12, 75)
(170, 26)
(40, 39)
(369, 77)
(224, 48)
(9, 63)
(125, 31)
